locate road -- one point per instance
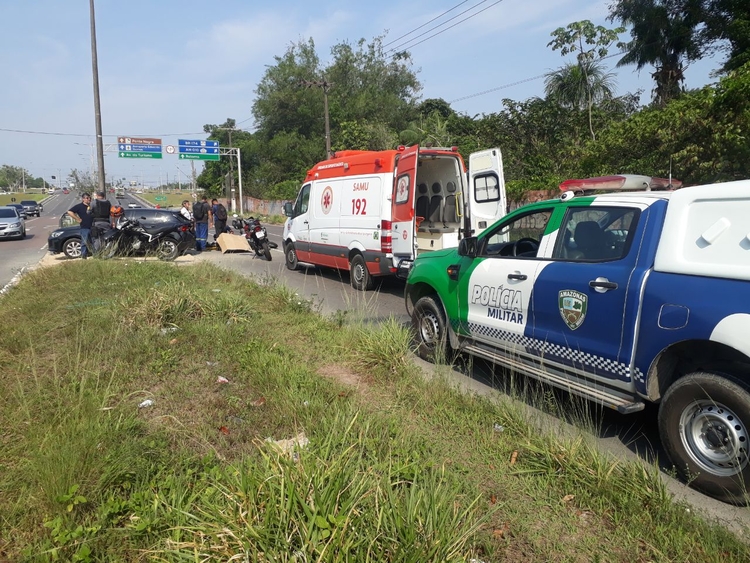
(628, 437)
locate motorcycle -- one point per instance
(256, 235)
(129, 238)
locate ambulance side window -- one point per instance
(486, 188)
(303, 201)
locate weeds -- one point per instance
(397, 468)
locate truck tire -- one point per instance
(359, 275)
(704, 424)
(290, 254)
(428, 321)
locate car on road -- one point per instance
(32, 207)
(12, 225)
(21, 209)
(66, 191)
(67, 238)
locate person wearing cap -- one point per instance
(81, 212)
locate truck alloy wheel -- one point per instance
(703, 423)
(72, 248)
(168, 250)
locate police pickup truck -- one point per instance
(622, 298)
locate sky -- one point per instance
(167, 67)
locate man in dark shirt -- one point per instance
(101, 211)
(81, 212)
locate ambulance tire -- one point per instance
(428, 321)
(704, 424)
(360, 277)
(290, 254)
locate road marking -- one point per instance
(44, 247)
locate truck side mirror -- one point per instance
(288, 209)
(468, 247)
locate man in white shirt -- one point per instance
(185, 210)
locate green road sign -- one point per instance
(160, 198)
(199, 156)
(131, 154)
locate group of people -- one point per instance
(203, 215)
(92, 216)
(98, 214)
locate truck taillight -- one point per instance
(386, 241)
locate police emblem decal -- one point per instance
(573, 306)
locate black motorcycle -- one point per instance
(256, 235)
(129, 238)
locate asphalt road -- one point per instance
(628, 437)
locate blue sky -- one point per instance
(167, 67)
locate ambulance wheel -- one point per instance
(704, 424)
(290, 254)
(429, 325)
(360, 277)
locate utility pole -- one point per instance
(325, 86)
(97, 106)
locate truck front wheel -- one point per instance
(703, 422)
(429, 325)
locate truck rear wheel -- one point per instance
(431, 330)
(704, 423)
(360, 276)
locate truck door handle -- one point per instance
(304, 222)
(519, 277)
(602, 285)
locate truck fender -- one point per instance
(732, 331)
(414, 293)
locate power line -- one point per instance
(405, 45)
(427, 23)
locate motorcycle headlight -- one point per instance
(56, 234)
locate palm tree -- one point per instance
(580, 85)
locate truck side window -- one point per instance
(519, 237)
(302, 201)
(486, 188)
(595, 233)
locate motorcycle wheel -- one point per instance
(108, 250)
(167, 250)
(266, 250)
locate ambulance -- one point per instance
(373, 212)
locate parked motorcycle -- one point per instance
(129, 238)
(256, 235)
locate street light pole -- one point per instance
(97, 106)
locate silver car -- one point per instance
(12, 225)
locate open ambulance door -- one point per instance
(404, 227)
(485, 198)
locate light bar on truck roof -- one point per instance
(620, 182)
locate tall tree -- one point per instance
(574, 85)
(666, 34)
(729, 21)
(590, 43)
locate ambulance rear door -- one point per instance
(402, 205)
(485, 199)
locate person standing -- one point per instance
(220, 218)
(81, 212)
(101, 210)
(185, 210)
(201, 215)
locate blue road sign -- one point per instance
(196, 143)
(202, 150)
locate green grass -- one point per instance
(5, 199)
(326, 444)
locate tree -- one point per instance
(590, 42)
(574, 85)
(14, 177)
(665, 34)
(729, 21)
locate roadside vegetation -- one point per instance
(266, 432)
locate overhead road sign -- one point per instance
(196, 149)
(138, 147)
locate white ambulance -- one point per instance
(373, 212)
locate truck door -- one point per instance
(402, 205)
(298, 225)
(586, 299)
(485, 199)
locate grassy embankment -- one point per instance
(397, 468)
(5, 199)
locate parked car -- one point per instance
(32, 207)
(67, 238)
(20, 208)
(12, 225)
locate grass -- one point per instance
(326, 443)
(5, 199)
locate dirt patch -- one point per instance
(342, 374)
